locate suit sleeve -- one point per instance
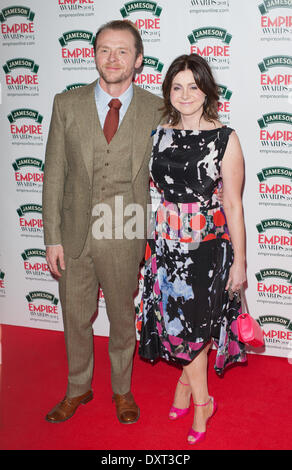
(158, 112)
(54, 177)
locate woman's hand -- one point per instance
(237, 277)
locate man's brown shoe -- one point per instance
(127, 410)
(67, 407)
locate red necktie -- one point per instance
(112, 119)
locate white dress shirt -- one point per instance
(102, 98)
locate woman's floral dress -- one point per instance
(189, 253)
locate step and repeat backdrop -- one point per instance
(46, 48)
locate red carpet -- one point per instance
(254, 402)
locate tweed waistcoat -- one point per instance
(112, 164)
(112, 169)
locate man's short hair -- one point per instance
(123, 25)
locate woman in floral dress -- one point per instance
(195, 255)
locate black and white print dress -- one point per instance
(189, 253)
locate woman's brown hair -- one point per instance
(204, 80)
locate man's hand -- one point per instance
(55, 254)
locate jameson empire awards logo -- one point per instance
(209, 6)
(75, 8)
(17, 25)
(212, 43)
(28, 174)
(275, 186)
(43, 306)
(21, 77)
(35, 264)
(274, 285)
(26, 126)
(151, 77)
(277, 330)
(274, 136)
(276, 20)
(276, 76)
(75, 54)
(275, 237)
(146, 16)
(30, 220)
(224, 104)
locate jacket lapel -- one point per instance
(87, 121)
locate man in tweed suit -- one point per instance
(84, 170)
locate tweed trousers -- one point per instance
(113, 265)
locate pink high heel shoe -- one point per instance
(179, 412)
(200, 436)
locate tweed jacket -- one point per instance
(70, 153)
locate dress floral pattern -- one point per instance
(189, 253)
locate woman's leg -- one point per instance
(183, 390)
(196, 374)
(182, 394)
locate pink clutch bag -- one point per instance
(249, 331)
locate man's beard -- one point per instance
(109, 79)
